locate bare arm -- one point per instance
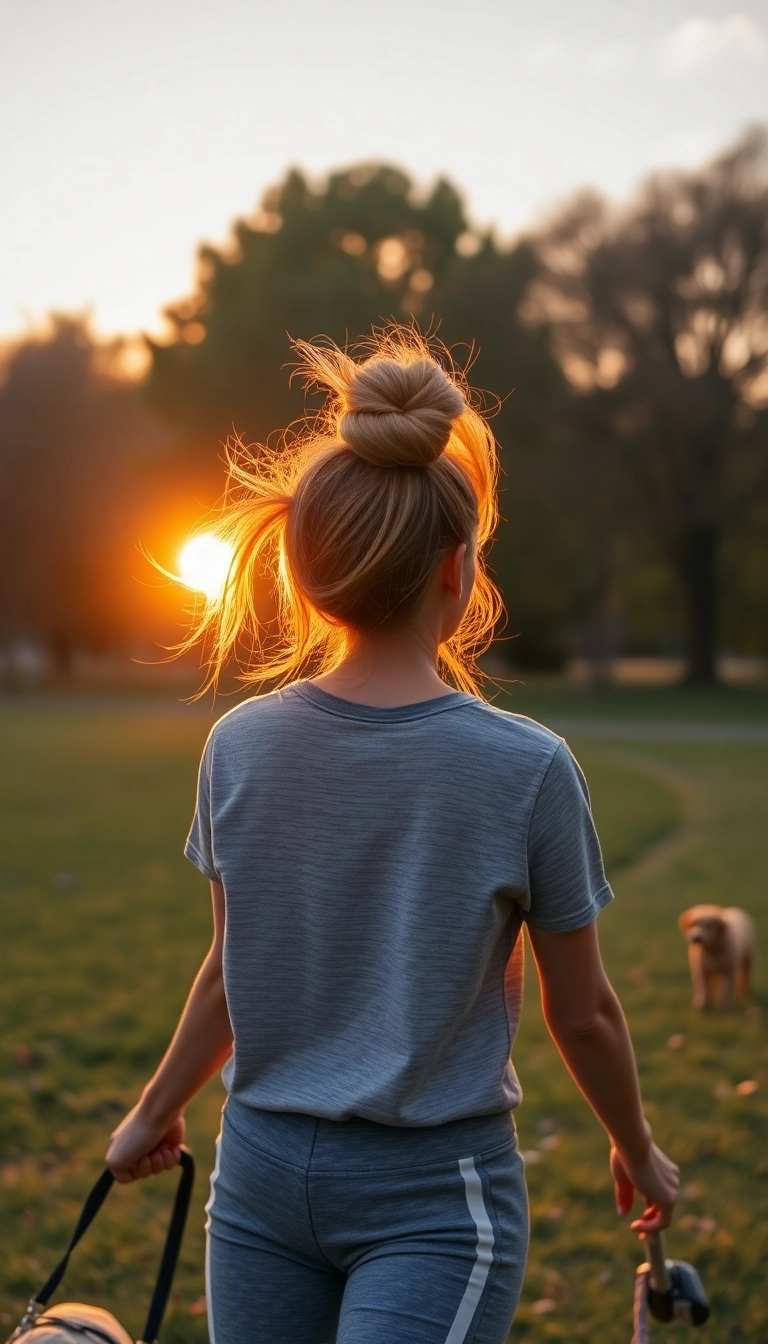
(585, 1021)
(147, 1140)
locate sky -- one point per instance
(131, 132)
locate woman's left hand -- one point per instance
(143, 1146)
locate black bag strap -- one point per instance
(170, 1250)
(90, 1208)
(89, 1332)
(170, 1255)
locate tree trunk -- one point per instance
(698, 573)
(62, 651)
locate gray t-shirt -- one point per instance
(377, 865)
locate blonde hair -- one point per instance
(347, 521)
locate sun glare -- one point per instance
(204, 563)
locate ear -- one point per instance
(685, 921)
(453, 570)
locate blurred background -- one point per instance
(576, 203)
(575, 200)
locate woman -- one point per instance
(375, 839)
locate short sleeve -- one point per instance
(566, 878)
(199, 846)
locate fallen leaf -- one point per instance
(702, 1228)
(544, 1305)
(549, 1143)
(746, 1088)
(676, 1042)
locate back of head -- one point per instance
(352, 517)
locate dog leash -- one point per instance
(35, 1316)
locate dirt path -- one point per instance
(693, 803)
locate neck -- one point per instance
(387, 669)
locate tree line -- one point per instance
(622, 351)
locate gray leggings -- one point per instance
(359, 1233)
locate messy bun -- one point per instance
(400, 414)
(348, 520)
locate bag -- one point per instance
(76, 1323)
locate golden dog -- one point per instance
(721, 946)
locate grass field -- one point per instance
(542, 697)
(104, 923)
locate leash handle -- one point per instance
(171, 1249)
(657, 1260)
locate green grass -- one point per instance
(581, 1258)
(540, 697)
(96, 969)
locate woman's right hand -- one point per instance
(144, 1145)
(654, 1176)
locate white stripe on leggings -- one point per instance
(484, 1258)
(208, 1207)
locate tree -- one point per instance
(340, 259)
(534, 554)
(75, 441)
(336, 261)
(660, 321)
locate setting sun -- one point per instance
(204, 563)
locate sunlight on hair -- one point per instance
(204, 563)
(335, 531)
